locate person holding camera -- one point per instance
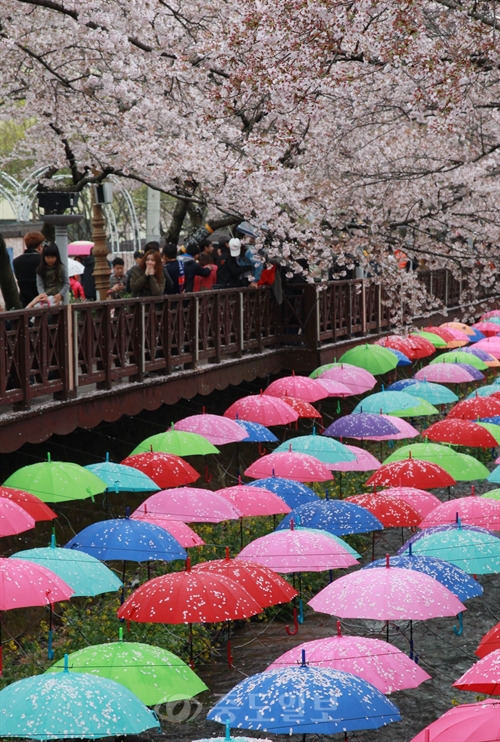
(147, 279)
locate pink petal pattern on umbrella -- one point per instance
(447, 373)
(215, 428)
(356, 379)
(263, 409)
(405, 430)
(472, 511)
(179, 530)
(490, 345)
(254, 501)
(189, 504)
(483, 677)
(387, 594)
(24, 584)
(297, 466)
(13, 518)
(335, 388)
(365, 461)
(299, 387)
(421, 501)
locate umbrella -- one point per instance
(395, 403)
(387, 594)
(56, 481)
(179, 530)
(402, 359)
(459, 357)
(336, 516)
(376, 661)
(262, 408)
(490, 642)
(120, 478)
(298, 550)
(13, 518)
(471, 409)
(153, 674)
(488, 359)
(484, 391)
(447, 373)
(165, 469)
(454, 338)
(421, 501)
(25, 584)
(469, 722)
(31, 504)
(190, 505)
(303, 409)
(335, 388)
(326, 450)
(492, 494)
(356, 379)
(298, 466)
(460, 466)
(80, 247)
(491, 313)
(215, 428)
(362, 425)
(490, 345)
(286, 701)
(488, 329)
(75, 268)
(365, 461)
(373, 358)
(125, 539)
(459, 326)
(494, 477)
(293, 493)
(435, 340)
(390, 511)
(85, 574)
(432, 393)
(473, 549)
(483, 677)
(253, 501)
(460, 433)
(412, 346)
(411, 473)
(229, 738)
(328, 367)
(256, 433)
(178, 442)
(473, 511)
(299, 387)
(71, 705)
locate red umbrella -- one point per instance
(33, 505)
(448, 336)
(411, 473)
(421, 501)
(460, 433)
(165, 469)
(476, 407)
(413, 347)
(483, 677)
(490, 642)
(303, 409)
(297, 466)
(298, 387)
(391, 512)
(263, 409)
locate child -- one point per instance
(51, 276)
(76, 288)
(201, 282)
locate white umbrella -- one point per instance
(75, 268)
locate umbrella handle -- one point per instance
(50, 651)
(459, 631)
(301, 612)
(295, 624)
(208, 475)
(262, 449)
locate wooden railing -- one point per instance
(57, 350)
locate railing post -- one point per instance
(363, 305)
(23, 343)
(349, 311)
(311, 325)
(106, 349)
(241, 325)
(65, 343)
(217, 339)
(76, 367)
(139, 333)
(195, 330)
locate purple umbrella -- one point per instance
(361, 425)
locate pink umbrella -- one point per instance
(380, 663)
(421, 501)
(483, 677)
(387, 594)
(448, 373)
(254, 501)
(215, 428)
(490, 329)
(299, 387)
(472, 511)
(25, 584)
(458, 334)
(356, 379)
(490, 345)
(469, 722)
(335, 388)
(263, 409)
(80, 247)
(493, 313)
(365, 461)
(13, 518)
(298, 550)
(189, 504)
(297, 466)
(179, 530)
(405, 430)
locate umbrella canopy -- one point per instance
(411, 473)
(494, 477)
(328, 367)
(413, 347)
(256, 433)
(484, 391)
(446, 373)
(293, 493)
(365, 461)
(215, 428)
(460, 466)
(473, 511)
(455, 579)
(71, 705)
(469, 722)
(471, 548)
(165, 469)
(13, 518)
(488, 359)
(56, 481)
(190, 505)
(153, 674)
(178, 442)
(434, 339)
(299, 387)
(326, 450)
(75, 268)
(80, 247)
(297, 466)
(402, 359)
(471, 409)
(488, 329)
(85, 575)
(254, 501)
(262, 408)
(25, 584)
(120, 478)
(490, 642)
(31, 504)
(373, 358)
(432, 393)
(347, 702)
(454, 338)
(400, 404)
(335, 388)
(298, 550)
(179, 530)
(303, 409)
(387, 594)
(390, 511)
(124, 539)
(336, 516)
(376, 661)
(192, 596)
(405, 430)
(363, 425)
(421, 501)
(356, 379)
(483, 677)
(490, 345)
(460, 433)
(469, 359)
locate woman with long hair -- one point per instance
(147, 279)
(51, 275)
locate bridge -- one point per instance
(81, 364)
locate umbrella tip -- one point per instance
(188, 564)
(66, 663)
(48, 457)
(228, 732)
(127, 512)
(387, 561)
(339, 628)
(292, 524)
(227, 553)
(303, 658)
(107, 455)
(53, 540)
(120, 634)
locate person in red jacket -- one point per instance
(76, 288)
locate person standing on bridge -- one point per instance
(51, 275)
(147, 279)
(25, 266)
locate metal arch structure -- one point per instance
(134, 222)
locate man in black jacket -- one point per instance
(25, 266)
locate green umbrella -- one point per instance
(457, 356)
(178, 442)
(326, 450)
(433, 393)
(153, 674)
(399, 404)
(463, 468)
(57, 481)
(372, 358)
(492, 495)
(326, 367)
(493, 429)
(436, 341)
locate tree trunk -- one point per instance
(8, 283)
(178, 217)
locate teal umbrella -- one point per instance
(71, 705)
(120, 478)
(326, 450)
(399, 404)
(373, 358)
(462, 467)
(473, 549)
(432, 393)
(483, 391)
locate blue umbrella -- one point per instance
(257, 433)
(401, 385)
(494, 420)
(476, 337)
(293, 493)
(402, 359)
(120, 478)
(361, 425)
(304, 700)
(336, 516)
